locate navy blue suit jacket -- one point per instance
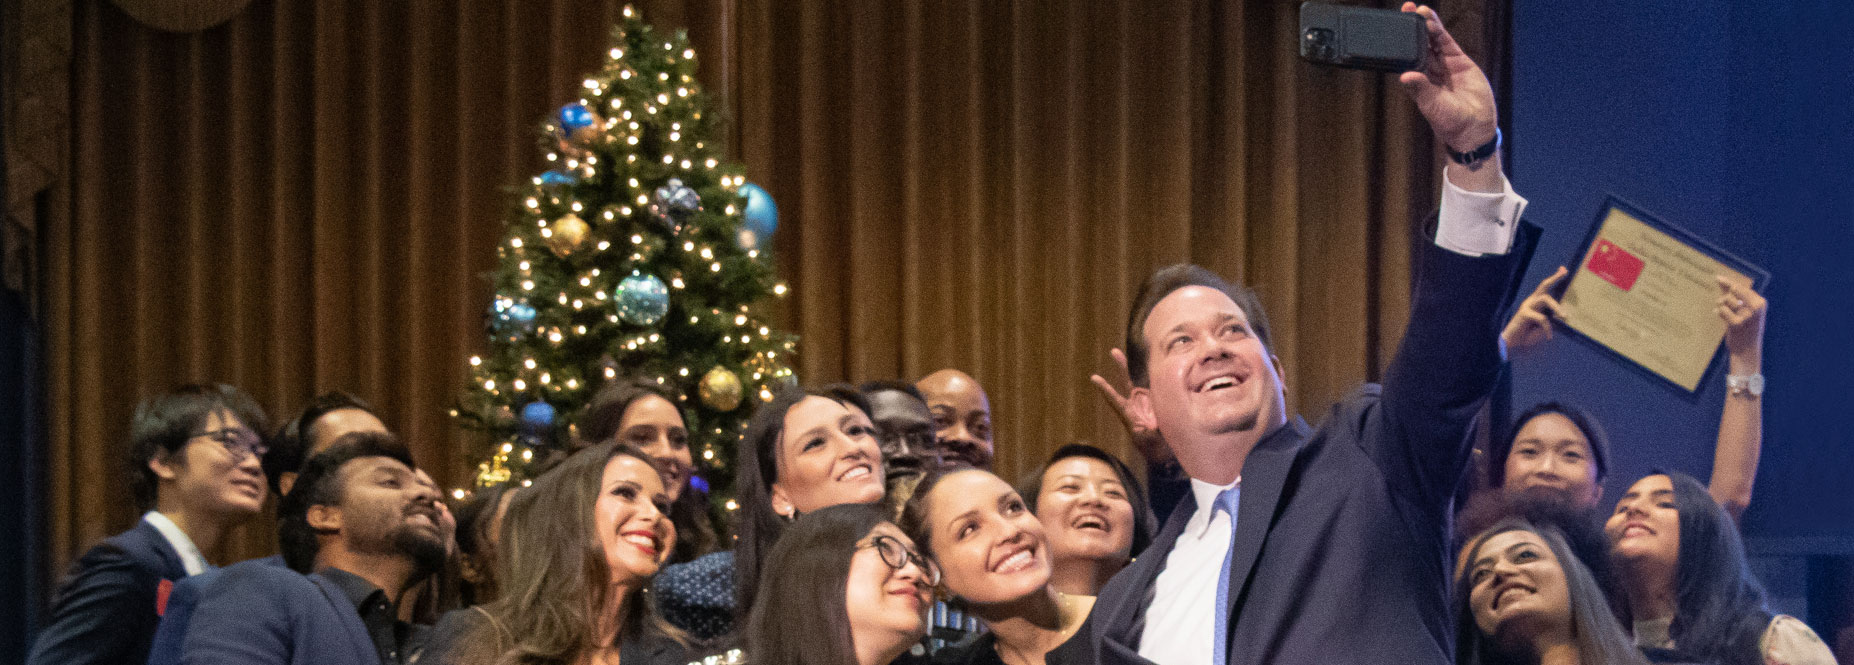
(259, 613)
(105, 608)
(180, 604)
(1339, 551)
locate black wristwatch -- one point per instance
(1474, 156)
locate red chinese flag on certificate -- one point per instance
(1614, 264)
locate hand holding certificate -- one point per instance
(1651, 293)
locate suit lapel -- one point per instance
(1264, 473)
(171, 566)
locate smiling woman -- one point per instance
(808, 449)
(996, 559)
(579, 547)
(843, 587)
(1689, 588)
(1095, 512)
(1522, 597)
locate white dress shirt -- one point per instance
(1181, 621)
(190, 557)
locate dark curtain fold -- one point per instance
(303, 199)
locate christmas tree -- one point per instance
(640, 254)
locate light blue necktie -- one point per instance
(1226, 503)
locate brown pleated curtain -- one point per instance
(304, 198)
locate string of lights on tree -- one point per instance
(641, 253)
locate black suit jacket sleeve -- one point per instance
(104, 612)
(1446, 365)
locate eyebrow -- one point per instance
(1486, 560)
(955, 519)
(1222, 317)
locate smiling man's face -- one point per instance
(1208, 375)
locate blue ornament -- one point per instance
(512, 316)
(698, 484)
(762, 215)
(558, 178)
(537, 415)
(641, 299)
(573, 117)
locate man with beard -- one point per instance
(360, 527)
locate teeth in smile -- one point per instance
(642, 541)
(1015, 562)
(1219, 382)
(856, 473)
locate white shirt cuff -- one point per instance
(1478, 223)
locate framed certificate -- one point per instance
(1646, 290)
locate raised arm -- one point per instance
(1741, 421)
(1450, 354)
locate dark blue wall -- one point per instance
(1735, 124)
(1733, 120)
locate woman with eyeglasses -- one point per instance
(843, 586)
(996, 562)
(193, 465)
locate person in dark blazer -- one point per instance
(356, 530)
(193, 465)
(1319, 545)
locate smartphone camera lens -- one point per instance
(1317, 43)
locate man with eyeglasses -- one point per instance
(193, 466)
(910, 449)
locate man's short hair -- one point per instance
(1172, 278)
(320, 483)
(873, 387)
(163, 424)
(292, 440)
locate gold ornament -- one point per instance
(721, 389)
(568, 233)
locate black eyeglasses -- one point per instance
(897, 556)
(238, 441)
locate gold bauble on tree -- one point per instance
(568, 233)
(720, 389)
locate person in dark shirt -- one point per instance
(356, 530)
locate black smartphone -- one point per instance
(1362, 38)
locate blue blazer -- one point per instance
(105, 610)
(169, 637)
(258, 613)
(1339, 554)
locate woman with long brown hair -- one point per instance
(645, 415)
(578, 550)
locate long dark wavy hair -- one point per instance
(1719, 611)
(756, 469)
(1600, 638)
(604, 421)
(801, 618)
(553, 573)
